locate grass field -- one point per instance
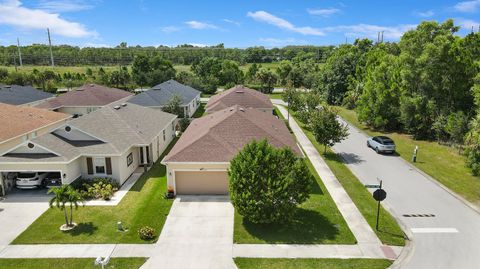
(70, 263)
(143, 205)
(263, 263)
(441, 162)
(389, 232)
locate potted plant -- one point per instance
(170, 193)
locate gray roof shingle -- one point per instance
(19, 95)
(161, 94)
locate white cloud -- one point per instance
(324, 12)
(266, 17)
(64, 5)
(14, 14)
(425, 14)
(200, 45)
(232, 22)
(170, 29)
(200, 25)
(279, 41)
(467, 24)
(371, 31)
(95, 45)
(467, 6)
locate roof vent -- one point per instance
(92, 85)
(116, 107)
(7, 87)
(242, 109)
(124, 104)
(239, 91)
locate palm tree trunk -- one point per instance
(65, 214)
(71, 215)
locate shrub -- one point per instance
(146, 233)
(97, 188)
(267, 184)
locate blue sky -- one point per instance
(234, 23)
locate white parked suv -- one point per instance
(381, 144)
(30, 180)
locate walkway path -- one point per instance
(355, 220)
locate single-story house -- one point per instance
(110, 142)
(198, 162)
(85, 99)
(21, 123)
(22, 95)
(160, 95)
(242, 96)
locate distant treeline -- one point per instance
(65, 55)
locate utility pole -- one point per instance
(50, 44)
(19, 52)
(382, 36)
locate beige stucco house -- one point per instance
(110, 142)
(199, 161)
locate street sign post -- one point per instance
(379, 195)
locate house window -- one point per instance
(99, 164)
(129, 159)
(163, 135)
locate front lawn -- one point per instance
(317, 221)
(443, 163)
(70, 263)
(265, 263)
(200, 111)
(143, 205)
(389, 232)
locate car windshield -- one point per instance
(387, 142)
(26, 175)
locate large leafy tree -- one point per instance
(267, 183)
(151, 71)
(174, 106)
(267, 79)
(326, 128)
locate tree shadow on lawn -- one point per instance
(384, 231)
(306, 227)
(87, 228)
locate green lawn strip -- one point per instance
(317, 221)
(267, 263)
(142, 205)
(70, 263)
(200, 111)
(441, 162)
(389, 232)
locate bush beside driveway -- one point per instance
(143, 205)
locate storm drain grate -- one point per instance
(418, 215)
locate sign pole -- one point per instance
(378, 208)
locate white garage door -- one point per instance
(201, 182)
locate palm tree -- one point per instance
(73, 198)
(60, 199)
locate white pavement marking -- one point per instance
(433, 230)
(355, 220)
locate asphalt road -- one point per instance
(450, 239)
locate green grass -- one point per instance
(272, 66)
(317, 221)
(70, 263)
(276, 96)
(143, 205)
(443, 163)
(389, 231)
(268, 263)
(200, 111)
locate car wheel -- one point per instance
(377, 151)
(368, 144)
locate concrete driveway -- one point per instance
(198, 234)
(18, 210)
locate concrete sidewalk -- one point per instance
(355, 220)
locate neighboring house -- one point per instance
(22, 95)
(21, 123)
(110, 142)
(198, 162)
(160, 95)
(85, 99)
(242, 96)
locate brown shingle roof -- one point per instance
(87, 95)
(238, 95)
(18, 120)
(219, 136)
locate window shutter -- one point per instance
(89, 166)
(108, 163)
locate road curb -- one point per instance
(445, 188)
